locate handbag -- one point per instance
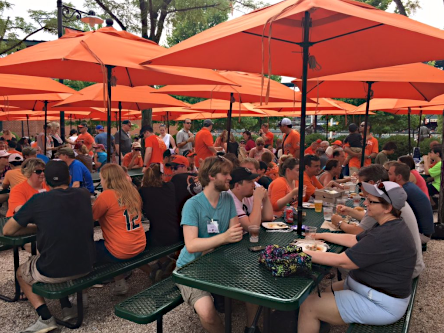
(285, 261)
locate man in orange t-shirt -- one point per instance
(292, 139)
(266, 135)
(154, 147)
(84, 137)
(204, 143)
(311, 150)
(312, 169)
(371, 150)
(133, 160)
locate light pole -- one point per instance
(69, 12)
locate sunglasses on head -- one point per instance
(39, 172)
(381, 187)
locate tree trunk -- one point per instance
(147, 117)
(401, 7)
(144, 18)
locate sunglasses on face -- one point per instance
(373, 202)
(137, 149)
(4, 157)
(39, 172)
(188, 123)
(260, 144)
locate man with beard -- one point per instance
(252, 205)
(209, 220)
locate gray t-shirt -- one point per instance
(183, 136)
(386, 257)
(124, 141)
(410, 220)
(102, 138)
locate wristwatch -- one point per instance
(339, 224)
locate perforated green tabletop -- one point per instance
(16, 240)
(233, 271)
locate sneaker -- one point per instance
(120, 288)
(69, 313)
(73, 300)
(42, 326)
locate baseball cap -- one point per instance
(284, 122)
(189, 153)
(394, 193)
(337, 142)
(177, 160)
(100, 146)
(66, 151)
(81, 125)
(126, 122)
(4, 153)
(78, 145)
(240, 174)
(99, 127)
(15, 158)
(207, 123)
(352, 127)
(57, 173)
(136, 145)
(318, 141)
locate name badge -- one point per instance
(213, 227)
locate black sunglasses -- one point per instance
(137, 149)
(188, 123)
(39, 172)
(381, 186)
(260, 144)
(373, 202)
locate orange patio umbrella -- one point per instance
(221, 106)
(250, 89)
(22, 84)
(105, 55)
(131, 98)
(333, 36)
(414, 81)
(171, 113)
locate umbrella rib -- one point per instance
(129, 77)
(274, 38)
(419, 91)
(315, 87)
(346, 34)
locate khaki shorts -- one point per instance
(191, 295)
(31, 275)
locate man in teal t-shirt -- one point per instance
(209, 220)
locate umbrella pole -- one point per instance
(305, 52)
(46, 125)
(326, 131)
(419, 125)
(315, 124)
(120, 127)
(229, 119)
(410, 145)
(168, 123)
(27, 124)
(367, 107)
(108, 134)
(23, 129)
(441, 198)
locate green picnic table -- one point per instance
(234, 272)
(132, 173)
(15, 243)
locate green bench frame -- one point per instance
(151, 304)
(100, 273)
(401, 326)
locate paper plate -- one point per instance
(275, 225)
(308, 205)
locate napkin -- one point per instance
(330, 226)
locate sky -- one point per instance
(431, 13)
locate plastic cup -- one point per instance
(328, 212)
(356, 200)
(310, 233)
(254, 233)
(318, 206)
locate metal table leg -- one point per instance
(79, 314)
(253, 326)
(267, 317)
(17, 285)
(227, 315)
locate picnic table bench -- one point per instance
(100, 273)
(401, 326)
(15, 242)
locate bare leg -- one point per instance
(251, 312)
(208, 316)
(315, 309)
(34, 299)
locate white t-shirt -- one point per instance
(244, 207)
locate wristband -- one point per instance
(339, 224)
